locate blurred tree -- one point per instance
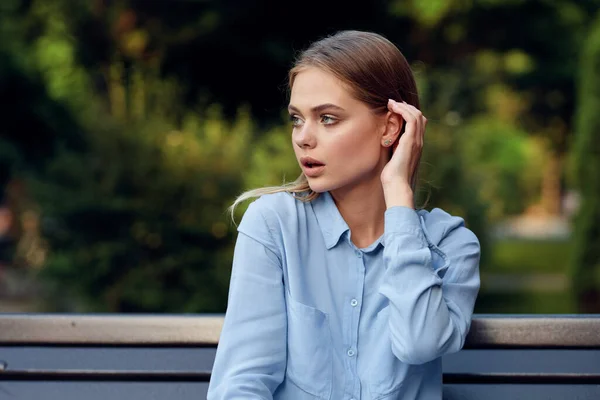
(138, 222)
(503, 162)
(506, 42)
(110, 104)
(586, 155)
(134, 215)
(33, 123)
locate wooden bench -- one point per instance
(80, 356)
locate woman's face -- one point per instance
(340, 135)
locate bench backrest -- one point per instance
(72, 356)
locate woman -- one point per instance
(340, 289)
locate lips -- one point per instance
(310, 162)
(311, 166)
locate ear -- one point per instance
(392, 127)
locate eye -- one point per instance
(328, 119)
(295, 120)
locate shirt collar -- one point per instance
(330, 220)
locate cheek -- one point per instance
(360, 149)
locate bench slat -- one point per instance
(204, 376)
(487, 332)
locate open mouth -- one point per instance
(310, 162)
(313, 165)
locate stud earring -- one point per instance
(387, 142)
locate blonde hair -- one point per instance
(374, 70)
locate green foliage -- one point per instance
(273, 159)
(110, 115)
(503, 162)
(531, 256)
(138, 223)
(445, 183)
(428, 13)
(586, 154)
(526, 303)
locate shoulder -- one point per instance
(272, 207)
(440, 226)
(276, 203)
(269, 213)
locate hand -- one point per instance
(398, 176)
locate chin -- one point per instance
(318, 188)
(320, 185)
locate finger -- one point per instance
(422, 122)
(402, 109)
(417, 141)
(423, 131)
(409, 116)
(412, 141)
(415, 127)
(418, 113)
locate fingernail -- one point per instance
(390, 101)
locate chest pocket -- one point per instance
(310, 359)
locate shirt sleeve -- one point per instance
(430, 310)
(251, 356)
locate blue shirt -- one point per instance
(311, 316)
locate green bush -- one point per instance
(137, 223)
(586, 154)
(529, 256)
(526, 303)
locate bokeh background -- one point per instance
(127, 127)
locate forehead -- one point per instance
(313, 85)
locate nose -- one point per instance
(304, 137)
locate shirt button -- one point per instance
(350, 353)
(353, 302)
(358, 253)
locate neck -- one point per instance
(363, 208)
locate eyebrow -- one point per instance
(317, 109)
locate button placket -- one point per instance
(355, 304)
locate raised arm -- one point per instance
(251, 356)
(430, 310)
